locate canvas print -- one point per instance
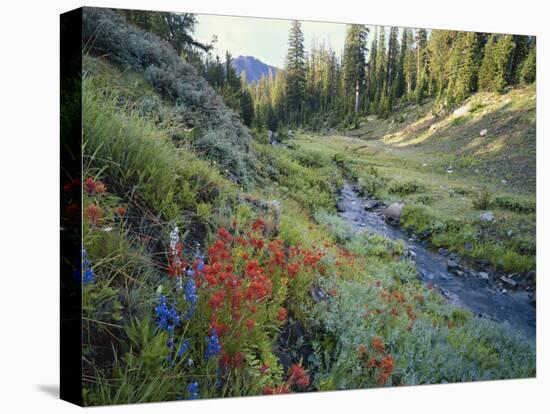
(255, 206)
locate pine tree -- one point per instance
(409, 66)
(372, 65)
(246, 107)
(295, 72)
(392, 64)
(399, 87)
(353, 64)
(528, 73)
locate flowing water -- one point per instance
(467, 292)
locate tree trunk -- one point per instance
(357, 96)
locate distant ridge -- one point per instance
(253, 68)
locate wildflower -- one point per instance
(94, 213)
(213, 346)
(217, 299)
(100, 188)
(200, 263)
(120, 211)
(282, 314)
(362, 349)
(183, 348)
(250, 323)
(167, 316)
(224, 235)
(372, 363)
(94, 187)
(89, 185)
(377, 344)
(297, 376)
(190, 296)
(386, 368)
(193, 390)
(88, 275)
(258, 225)
(293, 269)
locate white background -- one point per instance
(29, 161)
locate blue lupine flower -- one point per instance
(200, 263)
(190, 293)
(213, 346)
(88, 275)
(193, 390)
(167, 317)
(183, 348)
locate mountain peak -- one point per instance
(253, 68)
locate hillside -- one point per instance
(253, 68)
(219, 265)
(490, 137)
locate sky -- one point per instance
(265, 39)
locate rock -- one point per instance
(412, 255)
(483, 276)
(459, 273)
(393, 212)
(483, 132)
(508, 282)
(341, 206)
(503, 181)
(510, 233)
(487, 216)
(452, 265)
(449, 170)
(370, 204)
(424, 165)
(463, 110)
(318, 294)
(468, 246)
(443, 252)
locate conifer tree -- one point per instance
(528, 73)
(353, 64)
(295, 72)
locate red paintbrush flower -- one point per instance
(377, 344)
(120, 211)
(94, 213)
(89, 185)
(258, 225)
(297, 376)
(282, 314)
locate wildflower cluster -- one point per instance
(213, 346)
(380, 363)
(241, 276)
(193, 390)
(298, 379)
(167, 316)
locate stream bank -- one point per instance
(476, 294)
